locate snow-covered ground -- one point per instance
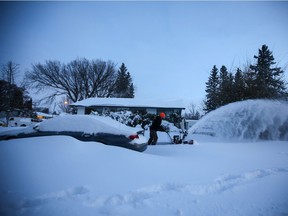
(216, 176)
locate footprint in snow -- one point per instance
(141, 196)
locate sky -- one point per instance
(169, 47)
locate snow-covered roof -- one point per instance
(130, 102)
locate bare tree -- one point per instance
(63, 104)
(193, 112)
(77, 80)
(9, 72)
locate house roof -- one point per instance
(130, 102)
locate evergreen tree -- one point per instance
(131, 90)
(212, 90)
(249, 79)
(261, 80)
(266, 80)
(225, 86)
(13, 97)
(230, 89)
(124, 87)
(239, 86)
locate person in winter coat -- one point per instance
(156, 126)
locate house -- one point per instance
(102, 105)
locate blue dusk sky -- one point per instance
(169, 47)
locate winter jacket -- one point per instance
(156, 125)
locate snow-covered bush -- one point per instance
(137, 119)
(127, 118)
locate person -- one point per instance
(156, 126)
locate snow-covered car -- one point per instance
(85, 128)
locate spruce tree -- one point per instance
(212, 90)
(249, 79)
(131, 91)
(225, 86)
(124, 87)
(239, 86)
(267, 79)
(230, 89)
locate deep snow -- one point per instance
(250, 120)
(63, 176)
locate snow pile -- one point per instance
(251, 119)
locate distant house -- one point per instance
(102, 105)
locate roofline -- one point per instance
(123, 106)
(125, 103)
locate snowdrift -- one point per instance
(251, 120)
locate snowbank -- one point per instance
(251, 119)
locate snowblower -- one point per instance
(179, 139)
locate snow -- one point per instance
(251, 120)
(60, 175)
(87, 123)
(77, 123)
(130, 102)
